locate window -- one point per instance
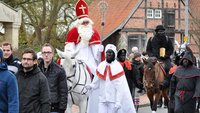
(154, 13)
(158, 13)
(137, 40)
(169, 15)
(149, 13)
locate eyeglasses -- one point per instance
(28, 59)
(46, 52)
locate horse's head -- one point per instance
(149, 72)
(68, 63)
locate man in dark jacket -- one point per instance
(12, 62)
(56, 78)
(34, 96)
(158, 43)
(161, 47)
(185, 83)
(9, 98)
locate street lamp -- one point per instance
(102, 6)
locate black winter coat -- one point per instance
(34, 96)
(154, 44)
(58, 85)
(13, 64)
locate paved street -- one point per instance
(148, 110)
(143, 102)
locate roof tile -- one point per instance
(116, 13)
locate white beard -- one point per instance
(85, 32)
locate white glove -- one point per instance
(88, 87)
(117, 106)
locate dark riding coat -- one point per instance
(185, 87)
(154, 44)
(153, 50)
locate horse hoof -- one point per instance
(153, 111)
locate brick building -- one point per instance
(129, 23)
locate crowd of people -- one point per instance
(29, 87)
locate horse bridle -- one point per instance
(70, 90)
(153, 82)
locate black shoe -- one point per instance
(159, 105)
(139, 91)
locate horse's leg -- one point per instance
(198, 105)
(157, 98)
(69, 105)
(69, 108)
(166, 97)
(150, 97)
(83, 106)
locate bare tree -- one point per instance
(43, 16)
(44, 20)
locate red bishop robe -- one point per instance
(73, 36)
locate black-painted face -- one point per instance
(160, 32)
(110, 55)
(122, 57)
(186, 63)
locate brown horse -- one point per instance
(153, 78)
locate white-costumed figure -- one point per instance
(83, 41)
(114, 95)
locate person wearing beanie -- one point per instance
(137, 66)
(135, 49)
(121, 57)
(9, 98)
(114, 95)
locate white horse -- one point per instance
(77, 78)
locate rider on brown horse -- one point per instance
(161, 47)
(158, 44)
